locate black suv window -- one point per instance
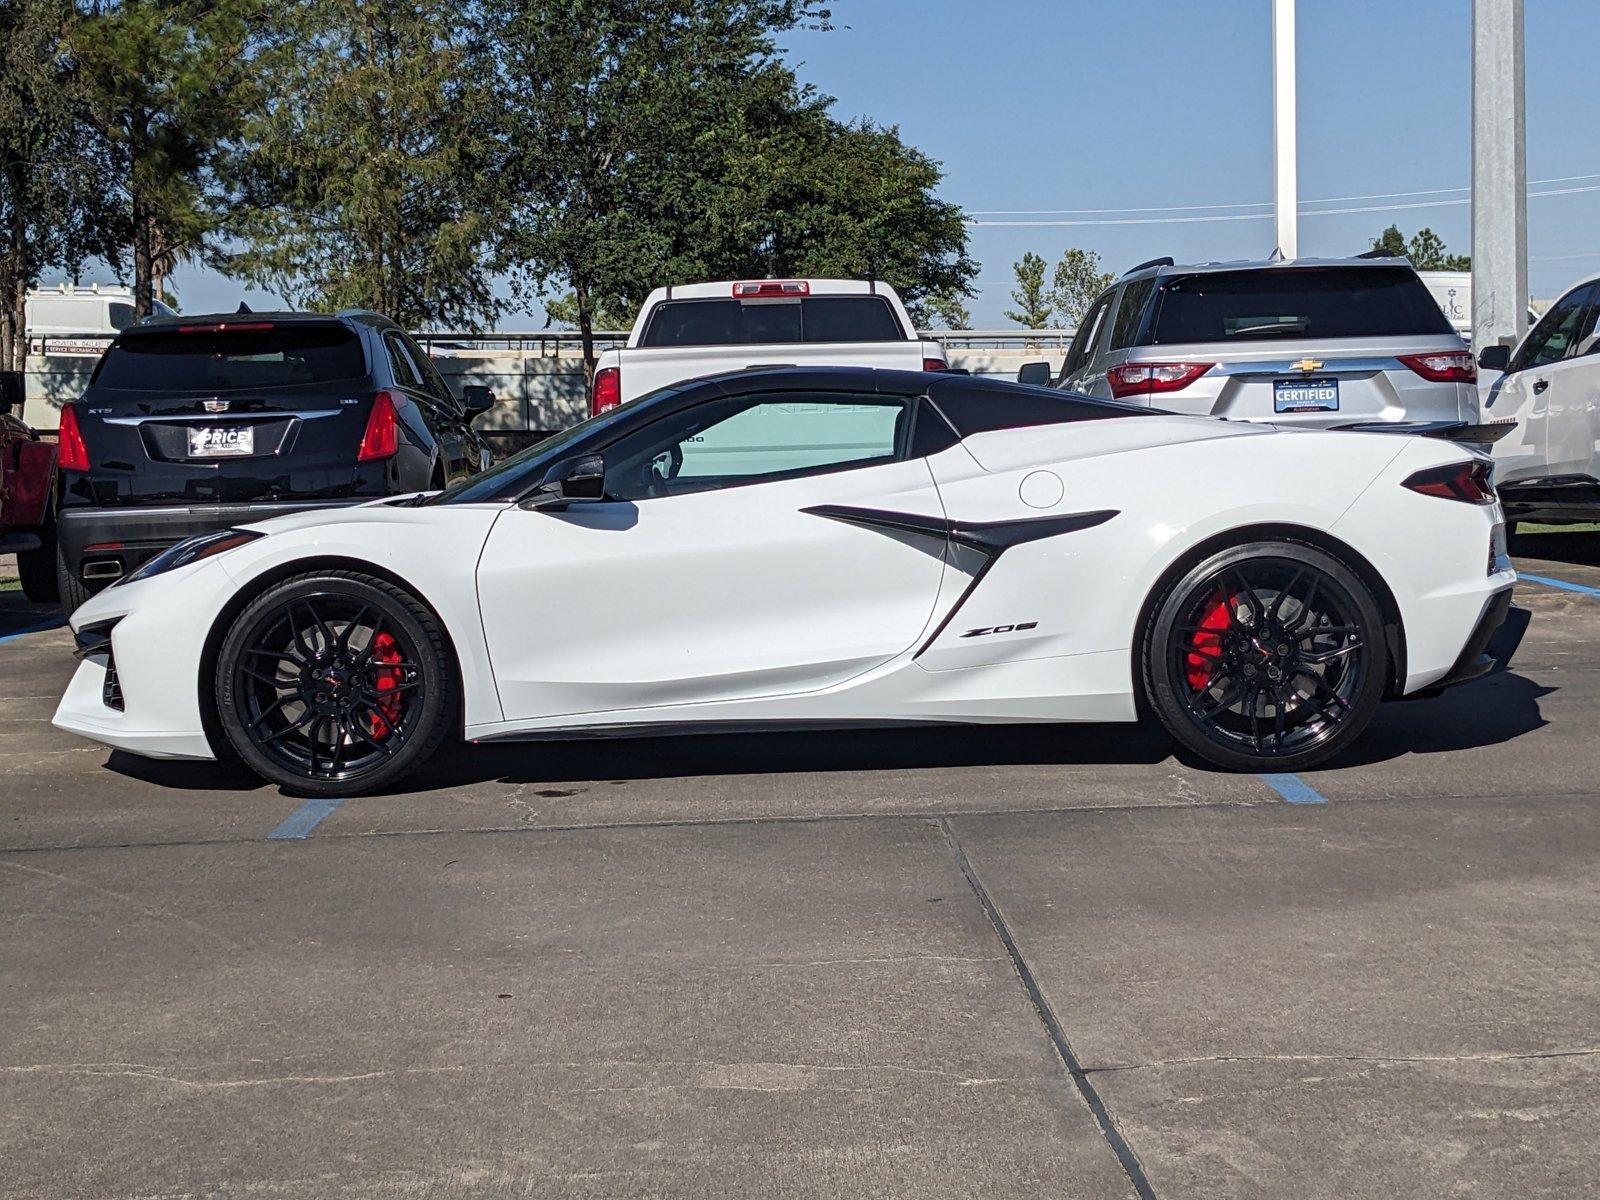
(1083, 341)
(405, 371)
(756, 322)
(1558, 331)
(219, 358)
(1295, 302)
(1130, 310)
(755, 439)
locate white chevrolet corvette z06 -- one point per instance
(821, 547)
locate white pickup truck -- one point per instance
(707, 328)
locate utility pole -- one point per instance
(1499, 175)
(1286, 193)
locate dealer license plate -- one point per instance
(221, 441)
(1305, 395)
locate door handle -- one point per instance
(1539, 386)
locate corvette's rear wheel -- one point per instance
(1266, 657)
(335, 683)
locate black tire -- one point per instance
(71, 590)
(335, 683)
(37, 568)
(1268, 656)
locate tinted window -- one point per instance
(1083, 341)
(120, 315)
(979, 408)
(754, 439)
(1557, 334)
(1125, 329)
(405, 371)
(169, 360)
(1295, 302)
(756, 322)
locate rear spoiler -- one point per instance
(1449, 431)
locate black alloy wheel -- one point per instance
(1266, 657)
(335, 683)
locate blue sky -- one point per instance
(1082, 104)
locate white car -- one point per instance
(1549, 468)
(823, 547)
(700, 329)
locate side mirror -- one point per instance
(581, 478)
(476, 399)
(1036, 373)
(10, 392)
(1494, 358)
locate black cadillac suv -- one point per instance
(191, 424)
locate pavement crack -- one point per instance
(1109, 1130)
(146, 1071)
(1483, 1056)
(155, 912)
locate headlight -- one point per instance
(192, 550)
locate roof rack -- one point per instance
(1154, 262)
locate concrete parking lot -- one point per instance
(947, 963)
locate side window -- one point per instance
(1088, 331)
(743, 440)
(1130, 312)
(432, 381)
(1555, 336)
(120, 315)
(405, 371)
(1589, 327)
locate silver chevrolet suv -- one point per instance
(1320, 342)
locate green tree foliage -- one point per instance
(52, 176)
(1030, 295)
(664, 141)
(359, 180)
(1426, 250)
(165, 81)
(563, 311)
(947, 310)
(1076, 282)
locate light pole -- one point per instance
(1499, 175)
(1286, 192)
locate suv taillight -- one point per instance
(381, 438)
(607, 390)
(73, 454)
(1449, 366)
(1469, 482)
(1144, 379)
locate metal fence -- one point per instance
(565, 343)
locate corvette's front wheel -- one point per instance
(335, 683)
(1266, 657)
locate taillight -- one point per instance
(1144, 379)
(935, 364)
(73, 454)
(1470, 482)
(1450, 366)
(607, 390)
(759, 289)
(382, 436)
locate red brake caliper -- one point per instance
(1205, 645)
(386, 680)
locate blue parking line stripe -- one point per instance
(304, 819)
(1294, 789)
(1559, 583)
(57, 624)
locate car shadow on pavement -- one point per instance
(186, 776)
(771, 753)
(1489, 712)
(1582, 549)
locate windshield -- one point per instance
(493, 485)
(1291, 302)
(217, 359)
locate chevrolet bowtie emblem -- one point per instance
(216, 405)
(1307, 365)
